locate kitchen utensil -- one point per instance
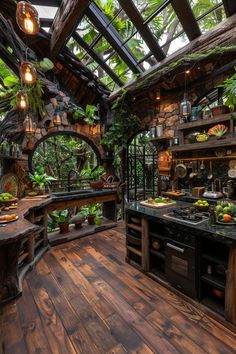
(202, 166)
(180, 170)
(175, 141)
(210, 175)
(194, 171)
(232, 164)
(232, 173)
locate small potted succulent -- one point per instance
(61, 217)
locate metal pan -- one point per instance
(180, 171)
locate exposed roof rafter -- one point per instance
(101, 22)
(230, 7)
(186, 17)
(143, 29)
(64, 22)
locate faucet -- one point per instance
(217, 183)
(69, 185)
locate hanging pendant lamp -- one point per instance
(27, 18)
(29, 125)
(28, 72)
(22, 101)
(185, 105)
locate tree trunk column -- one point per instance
(230, 293)
(9, 281)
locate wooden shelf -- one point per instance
(214, 280)
(210, 144)
(134, 250)
(215, 259)
(205, 122)
(227, 157)
(135, 227)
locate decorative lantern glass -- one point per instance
(27, 18)
(185, 109)
(28, 72)
(22, 100)
(57, 117)
(29, 125)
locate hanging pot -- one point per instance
(180, 171)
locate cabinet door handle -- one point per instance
(181, 250)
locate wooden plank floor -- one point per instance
(83, 298)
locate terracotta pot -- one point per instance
(64, 228)
(97, 184)
(91, 220)
(216, 111)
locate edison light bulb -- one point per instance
(28, 24)
(28, 75)
(22, 102)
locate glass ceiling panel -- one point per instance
(147, 7)
(110, 7)
(76, 48)
(200, 7)
(46, 11)
(126, 27)
(137, 46)
(86, 30)
(103, 48)
(176, 44)
(212, 19)
(117, 64)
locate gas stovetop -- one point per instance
(188, 215)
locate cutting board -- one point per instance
(175, 194)
(158, 205)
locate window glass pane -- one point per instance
(211, 20)
(103, 48)
(165, 25)
(137, 46)
(109, 7)
(147, 7)
(124, 26)
(76, 48)
(117, 64)
(200, 7)
(46, 11)
(87, 31)
(127, 76)
(176, 44)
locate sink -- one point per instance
(75, 192)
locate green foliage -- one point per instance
(60, 216)
(91, 210)
(46, 65)
(40, 179)
(10, 81)
(88, 115)
(95, 174)
(229, 86)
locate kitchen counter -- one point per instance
(221, 233)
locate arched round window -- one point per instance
(60, 153)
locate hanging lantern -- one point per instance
(29, 125)
(27, 18)
(28, 72)
(57, 117)
(22, 100)
(185, 108)
(158, 94)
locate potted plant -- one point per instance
(61, 217)
(95, 176)
(91, 213)
(40, 180)
(229, 86)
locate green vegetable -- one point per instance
(6, 196)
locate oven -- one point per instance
(180, 265)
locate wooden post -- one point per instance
(145, 245)
(230, 291)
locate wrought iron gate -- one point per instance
(141, 168)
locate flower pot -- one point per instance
(64, 228)
(216, 111)
(97, 184)
(91, 220)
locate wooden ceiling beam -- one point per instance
(137, 19)
(230, 7)
(65, 20)
(53, 3)
(186, 17)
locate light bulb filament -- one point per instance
(28, 24)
